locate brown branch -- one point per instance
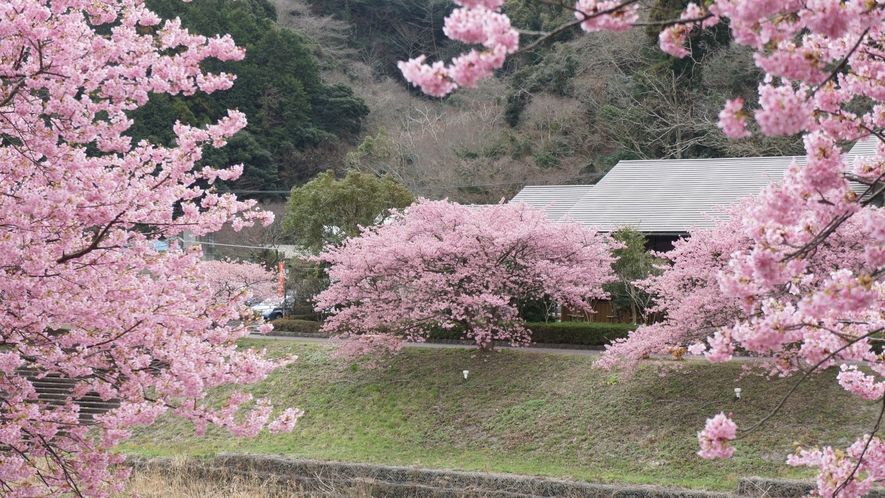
(866, 446)
(569, 25)
(820, 237)
(96, 240)
(842, 64)
(804, 377)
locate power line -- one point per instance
(235, 245)
(442, 187)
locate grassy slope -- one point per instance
(529, 413)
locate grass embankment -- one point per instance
(529, 412)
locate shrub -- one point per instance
(582, 333)
(299, 326)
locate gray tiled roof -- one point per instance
(558, 199)
(864, 149)
(670, 196)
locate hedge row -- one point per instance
(298, 326)
(582, 333)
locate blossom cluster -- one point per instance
(672, 39)
(476, 22)
(715, 437)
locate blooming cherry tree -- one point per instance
(240, 280)
(819, 56)
(440, 264)
(689, 295)
(84, 293)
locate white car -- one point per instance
(269, 310)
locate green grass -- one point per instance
(529, 413)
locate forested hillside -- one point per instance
(321, 90)
(298, 125)
(561, 112)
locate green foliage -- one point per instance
(278, 87)
(551, 73)
(536, 16)
(578, 333)
(516, 102)
(327, 211)
(546, 160)
(634, 263)
(304, 281)
(338, 109)
(389, 31)
(536, 309)
(259, 170)
(376, 154)
(297, 326)
(618, 155)
(520, 146)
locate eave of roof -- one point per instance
(671, 196)
(556, 200)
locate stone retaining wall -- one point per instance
(408, 482)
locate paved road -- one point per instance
(439, 346)
(532, 349)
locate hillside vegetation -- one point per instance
(528, 412)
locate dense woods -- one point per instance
(295, 120)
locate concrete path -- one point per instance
(536, 349)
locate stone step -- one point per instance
(55, 390)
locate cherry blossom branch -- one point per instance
(842, 64)
(544, 36)
(805, 376)
(866, 446)
(820, 237)
(72, 482)
(96, 240)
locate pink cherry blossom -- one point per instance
(672, 40)
(432, 79)
(732, 119)
(486, 4)
(715, 437)
(440, 264)
(240, 280)
(608, 15)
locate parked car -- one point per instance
(269, 310)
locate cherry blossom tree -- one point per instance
(685, 293)
(821, 58)
(688, 293)
(85, 294)
(240, 280)
(441, 264)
